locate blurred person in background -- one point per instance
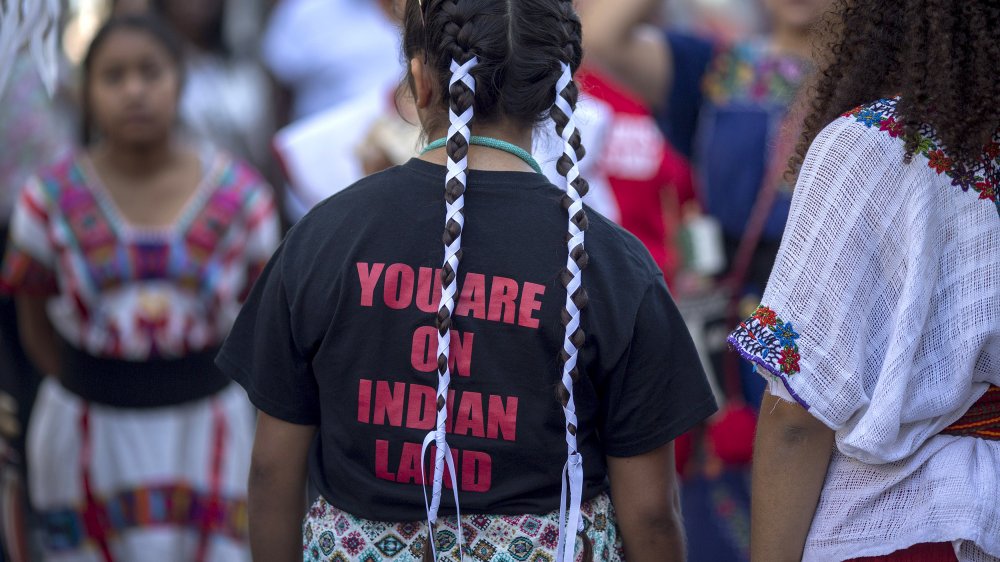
(728, 107)
(649, 181)
(337, 65)
(36, 130)
(329, 52)
(128, 262)
(722, 105)
(227, 95)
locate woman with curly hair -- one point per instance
(880, 332)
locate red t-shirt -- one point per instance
(650, 180)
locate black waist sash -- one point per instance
(141, 384)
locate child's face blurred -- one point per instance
(133, 88)
(797, 14)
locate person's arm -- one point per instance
(37, 334)
(277, 500)
(616, 35)
(791, 457)
(647, 503)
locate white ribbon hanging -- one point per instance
(572, 474)
(32, 23)
(459, 124)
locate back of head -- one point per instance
(941, 57)
(520, 45)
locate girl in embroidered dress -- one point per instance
(128, 262)
(528, 375)
(880, 328)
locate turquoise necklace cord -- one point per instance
(497, 144)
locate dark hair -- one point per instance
(939, 56)
(510, 61)
(145, 23)
(214, 36)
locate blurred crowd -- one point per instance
(307, 93)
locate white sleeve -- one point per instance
(862, 321)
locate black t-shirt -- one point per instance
(339, 333)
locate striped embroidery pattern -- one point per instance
(169, 505)
(982, 420)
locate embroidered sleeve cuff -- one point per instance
(770, 343)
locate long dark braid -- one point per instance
(461, 96)
(562, 113)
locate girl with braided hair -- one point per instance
(514, 398)
(880, 330)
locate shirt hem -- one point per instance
(590, 492)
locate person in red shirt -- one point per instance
(650, 180)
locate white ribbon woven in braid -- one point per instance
(459, 124)
(572, 475)
(31, 23)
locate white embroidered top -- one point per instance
(882, 318)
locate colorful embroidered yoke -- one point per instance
(134, 293)
(982, 178)
(882, 318)
(746, 92)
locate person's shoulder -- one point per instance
(609, 243)
(66, 169)
(234, 172)
(236, 180)
(871, 130)
(855, 173)
(361, 202)
(52, 181)
(368, 192)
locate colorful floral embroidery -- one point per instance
(750, 72)
(767, 340)
(785, 334)
(789, 360)
(893, 127)
(766, 316)
(983, 179)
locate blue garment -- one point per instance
(725, 107)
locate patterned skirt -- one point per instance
(157, 485)
(331, 535)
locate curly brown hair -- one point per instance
(941, 57)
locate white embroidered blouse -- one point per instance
(882, 318)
